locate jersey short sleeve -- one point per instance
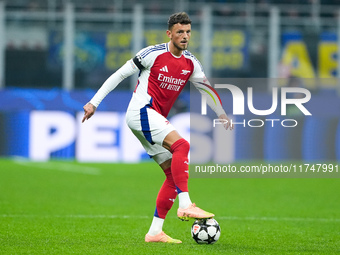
(198, 72)
(139, 61)
(144, 58)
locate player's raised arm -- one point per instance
(110, 84)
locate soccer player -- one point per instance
(163, 69)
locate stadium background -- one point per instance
(55, 54)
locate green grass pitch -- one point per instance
(62, 207)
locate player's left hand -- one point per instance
(89, 110)
(228, 124)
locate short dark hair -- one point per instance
(179, 17)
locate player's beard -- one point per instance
(181, 47)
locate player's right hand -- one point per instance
(89, 110)
(228, 124)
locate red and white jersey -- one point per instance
(162, 77)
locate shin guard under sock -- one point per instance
(180, 164)
(166, 196)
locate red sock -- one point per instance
(166, 196)
(180, 164)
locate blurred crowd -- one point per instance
(113, 5)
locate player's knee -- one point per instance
(181, 145)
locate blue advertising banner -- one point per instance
(42, 124)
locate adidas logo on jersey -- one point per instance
(164, 69)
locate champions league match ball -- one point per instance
(206, 231)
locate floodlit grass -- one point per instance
(68, 207)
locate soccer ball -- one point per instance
(205, 231)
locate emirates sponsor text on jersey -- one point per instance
(170, 83)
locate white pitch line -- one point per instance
(279, 219)
(60, 166)
(80, 216)
(232, 218)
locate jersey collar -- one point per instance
(168, 49)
